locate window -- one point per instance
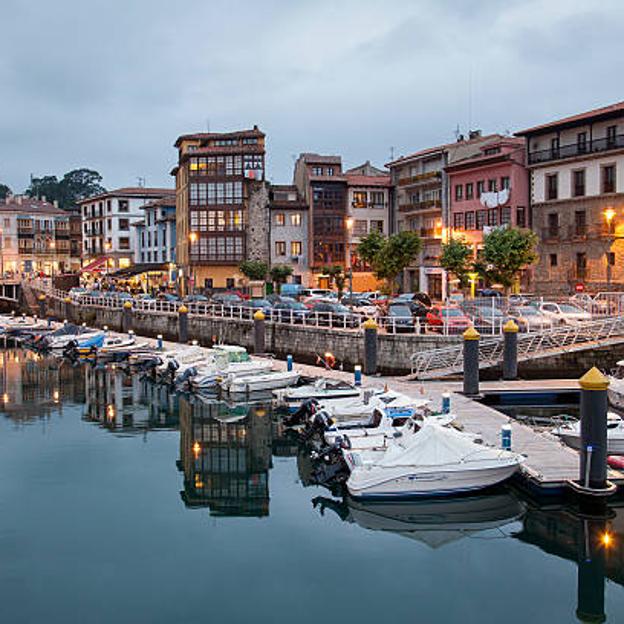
(376, 226)
(493, 217)
(521, 216)
(229, 282)
(360, 227)
(469, 190)
(208, 282)
(109, 205)
(552, 186)
(317, 171)
(553, 260)
(553, 225)
(124, 205)
(459, 192)
(295, 248)
(580, 223)
(581, 142)
(330, 171)
(280, 248)
(359, 199)
(377, 199)
(470, 220)
(505, 218)
(492, 185)
(124, 224)
(124, 242)
(554, 147)
(296, 279)
(215, 193)
(608, 179)
(280, 218)
(581, 265)
(578, 183)
(458, 220)
(611, 258)
(480, 188)
(611, 136)
(295, 219)
(481, 215)
(505, 183)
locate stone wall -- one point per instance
(259, 223)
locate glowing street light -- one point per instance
(193, 237)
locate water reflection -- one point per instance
(225, 455)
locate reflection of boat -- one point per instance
(435, 461)
(571, 434)
(434, 522)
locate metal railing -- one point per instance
(449, 360)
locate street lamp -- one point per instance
(609, 214)
(193, 237)
(349, 266)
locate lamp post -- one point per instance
(609, 213)
(349, 266)
(193, 237)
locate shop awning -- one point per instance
(94, 265)
(144, 267)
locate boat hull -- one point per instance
(406, 482)
(615, 445)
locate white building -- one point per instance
(107, 220)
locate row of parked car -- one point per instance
(408, 312)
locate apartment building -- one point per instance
(222, 215)
(156, 232)
(34, 237)
(369, 192)
(489, 189)
(107, 219)
(289, 231)
(576, 167)
(323, 188)
(421, 205)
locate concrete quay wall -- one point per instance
(305, 344)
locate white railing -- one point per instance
(449, 360)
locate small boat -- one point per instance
(436, 461)
(570, 433)
(322, 389)
(65, 336)
(86, 343)
(259, 383)
(234, 352)
(615, 392)
(209, 376)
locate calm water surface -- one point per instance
(122, 503)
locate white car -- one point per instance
(564, 313)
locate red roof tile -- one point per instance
(131, 191)
(362, 180)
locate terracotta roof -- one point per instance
(595, 114)
(31, 206)
(130, 191)
(362, 180)
(439, 148)
(239, 134)
(311, 159)
(167, 200)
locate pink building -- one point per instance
(489, 190)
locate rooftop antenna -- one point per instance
(140, 182)
(391, 153)
(456, 132)
(470, 99)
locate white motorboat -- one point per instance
(322, 389)
(615, 391)
(436, 461)
(209, 376)
(174, 359)
(22, 325)
(114, 344)
(570, 433)
(69, 334)
(259, 383)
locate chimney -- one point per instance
(474, 134)
(19, 199)
(55, 202)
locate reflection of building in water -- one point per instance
(33, 385)
(126, 402)
(225, 454)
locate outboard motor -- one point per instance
(186, 375)
(317, 425)
(172, 367)
(303, 413)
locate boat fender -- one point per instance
(346, 442)
(616, 461)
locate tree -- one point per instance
(254, 270)
(4, 191)
(389, 256)
(337, 277)
(75, 185)
(456, 258)
(506, 251)
(280, 273)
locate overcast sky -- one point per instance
(110, 84)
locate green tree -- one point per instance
(254, 270)
(75, 185)
(506, 251)
(337, 277)
(4, 191)
(456, 258)
(389, 256)
(280, 273)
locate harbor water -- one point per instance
(122, 502)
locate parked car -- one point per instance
(144, 297)
(167, 297)
(598, 305)
(424, 298)
(418, 309)
(399, 318)
(530, 319)
(226, 298)
(258, 304)
(290, 311)
(273, 298)
(486, 318)
(195, 299)
(318, 292)
(333, 315)
(564, 313)
(447, 319)
(361, 305)
(488, 292)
